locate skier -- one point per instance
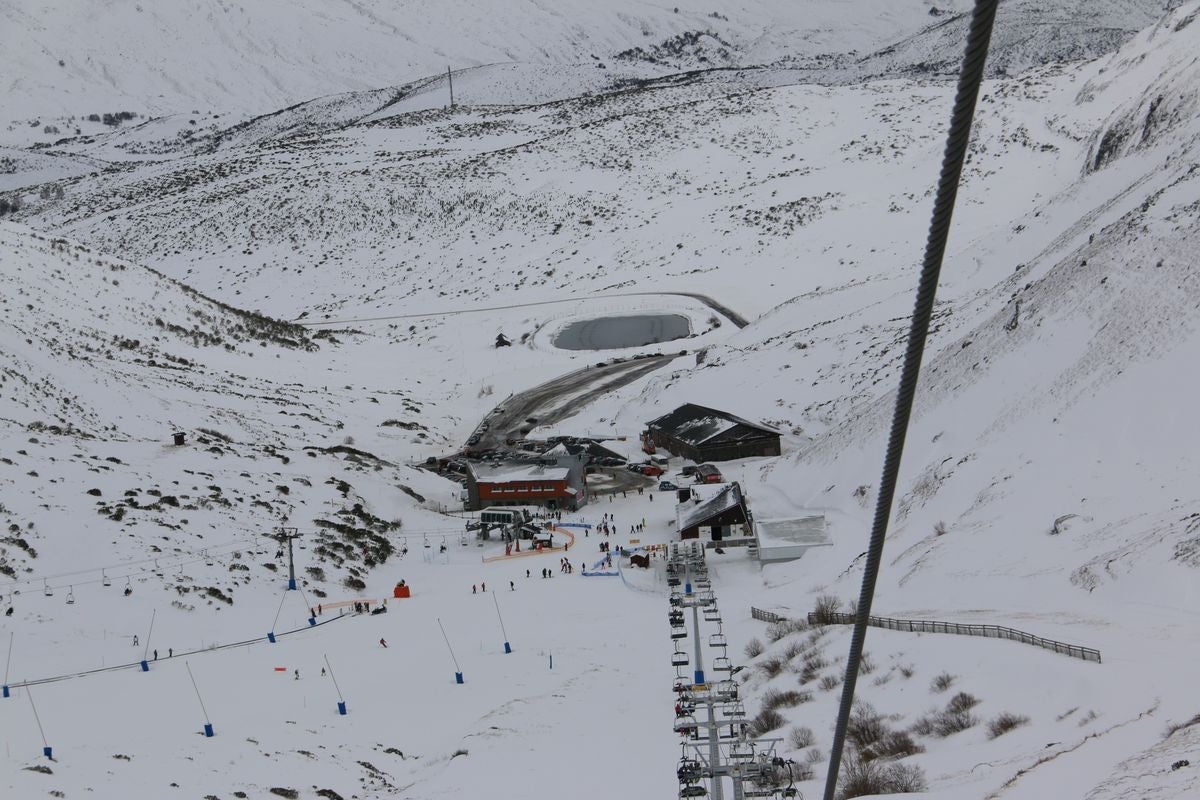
(383, 643)
(297, 674)
(9, 612)
(170, 652)
(156, 655)
(512, 587)
(526, 575)
(483, 587)
(474, 590)
(135, 640)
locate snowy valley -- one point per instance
(299, 256)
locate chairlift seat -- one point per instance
(722, 664)
(678, 632)
(695, 790)
(679, 659)
(718, 640)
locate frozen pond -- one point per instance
(610, 333)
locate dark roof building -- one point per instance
(706, 434)
(715, 513)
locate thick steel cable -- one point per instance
(970, 77)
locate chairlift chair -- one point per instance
(686, 725)
(688, 771)
(741, 752)
(46, 590)
(725, 691)
(675, 617)
(733, 711)
(718, 640)
(722, 664)
(678, 631)
(104, 579)
(693, 790)
(681, 684)
(679, 659)
(71, 596)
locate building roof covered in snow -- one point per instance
(698, 425)
(510, 473)
(706, 503)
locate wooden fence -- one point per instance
(987, 631)
(765, 616)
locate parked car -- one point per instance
(666, 486)
(474, 440)
(690, 469)
(652, 470)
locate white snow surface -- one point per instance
(1048, 484)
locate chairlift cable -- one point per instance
(970, 78)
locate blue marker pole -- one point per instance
(507, 647)
(146, 652)
(341, 700)
(458, 676)
(208, 728)
(47, 750)
(8, 662)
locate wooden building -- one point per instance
(706, 434)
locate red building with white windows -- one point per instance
(557, 484)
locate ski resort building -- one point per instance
(553, 483)
(706, 434)
(789, 539)
(713, 512)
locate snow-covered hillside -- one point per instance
(1047, 485)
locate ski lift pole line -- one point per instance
(458, 676)
(208, 731)
(190, 558)
(970, 78)
(38, 719)
(338, 689)
(149, 633)
(507, 646)
(8, 660)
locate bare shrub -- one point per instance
(908, 671)
(766, 721)
(829, 682)
(951, 722)
(793, 649)
(827, 607)
(939, 528)
(1005, 723)
(788, 698)
(962, 702)
(942, 682)
(865, 726)
(771, 667)
(1174, 727)
(785, 627)
(814, 755)
(865, 665)
(863, 777)
(813, 664)
(754, 648)
(893, 744)
(801, 737)
(924, 725)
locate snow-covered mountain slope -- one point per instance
(114, 56)
(1047, 486)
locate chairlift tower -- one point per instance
(750, 764)
(289, 535)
